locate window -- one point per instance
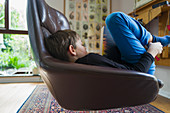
(17, 12)
(15, 51)
(13, 16)
(2, 13)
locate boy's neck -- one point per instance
(72, 58)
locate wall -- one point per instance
(125, 6)
(57, 4)
(117, 5)
(162, 72)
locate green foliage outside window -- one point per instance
(2, 17)
(17, 52)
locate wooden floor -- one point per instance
(162, 103)
(12, 97)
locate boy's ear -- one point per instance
(71, 50)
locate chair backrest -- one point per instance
(43, 20)
(78, 86)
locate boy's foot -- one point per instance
(165, 40)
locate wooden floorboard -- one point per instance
(12, 96)
(162, 103)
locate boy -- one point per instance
(66, 45)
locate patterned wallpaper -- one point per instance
(87, 17)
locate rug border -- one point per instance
(44, 85)
(27, 99)
(156, 108)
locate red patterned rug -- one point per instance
(41, 101)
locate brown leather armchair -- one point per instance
(78, 86)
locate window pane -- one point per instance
(17, 14)
(2, 13)
(16, 54)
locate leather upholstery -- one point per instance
(78, 86)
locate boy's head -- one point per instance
(65, 45)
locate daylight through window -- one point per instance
(15, 53)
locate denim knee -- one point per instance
(113, 17)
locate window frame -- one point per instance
(6, 29)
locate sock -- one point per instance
(165, 40)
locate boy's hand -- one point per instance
(155, 48)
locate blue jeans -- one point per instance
(130, 37)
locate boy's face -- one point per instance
(80, 49)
